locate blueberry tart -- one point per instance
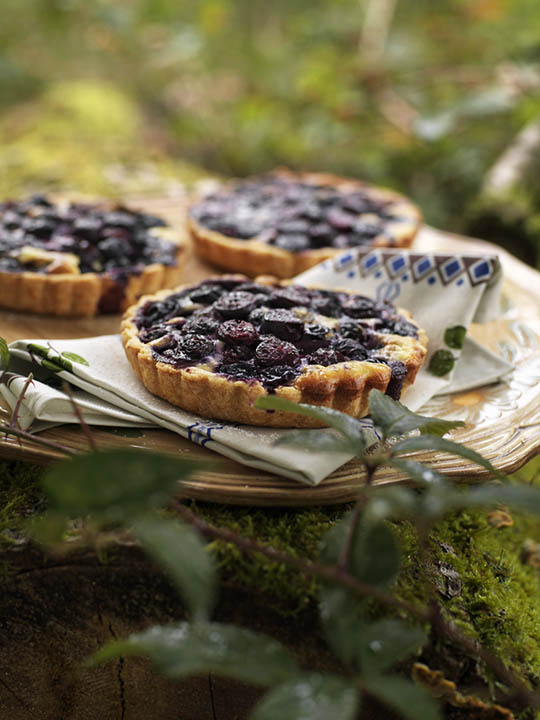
(284, 223)
(80, 258)
(214, 348)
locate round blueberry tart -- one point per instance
(284, 223)
(81, 258)
(215, 347)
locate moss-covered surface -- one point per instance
(20, 498)
(86, 137)
(483, 582)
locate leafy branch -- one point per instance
(358, 562)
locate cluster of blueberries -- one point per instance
(294, 215)
(104, 240)
(256, 332)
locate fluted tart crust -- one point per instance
(284, 223)
(82, 258)
(214, 348)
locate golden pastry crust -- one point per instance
(254, 256)
(62, 289)
(344, 386)
(83, 295)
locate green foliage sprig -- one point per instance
(358, 562)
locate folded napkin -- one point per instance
(445, 293)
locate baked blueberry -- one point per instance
(201, 323)
(238, 332)
(283, 223)
(237, 304)
(273, 351)
(206, 294)
(315, 336)
(113, 247)
(284, 324)
(321, 346)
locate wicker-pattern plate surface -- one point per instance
(503, 420)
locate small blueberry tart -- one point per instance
(81, 258)
(214, 348)
(284, 223)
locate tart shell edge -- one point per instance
(254, 257)
(82, 295)
(344, 386)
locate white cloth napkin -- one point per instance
(441, 291)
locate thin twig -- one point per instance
(14, 421)
(333, 572)
(77, 410)
(8, 430)
(345, 557)
(310, 568)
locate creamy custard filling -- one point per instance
(251, 332)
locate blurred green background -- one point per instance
(135, 96)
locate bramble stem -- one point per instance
(14, 421)
(35, 439)
(446, 629)
(77, 410)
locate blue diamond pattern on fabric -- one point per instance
(480, 271)
(432, 279)
(451, 269)
(397, 265)
(345, 259)
(422, 267)
(370, 262)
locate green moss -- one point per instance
(295, 531)
(499, 598)
(20, 498)
(85, 137)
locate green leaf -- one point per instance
(393, 418)
(349, 426)
(374, 556)
(75, 358)
(185, 649)
(52, 366)
(524, 498)
(4, 354)
(57, 362)
(179, 550)
(35, 349)
(420, 473)
(454, 337)
(412, 702)
(441, 363)
(318, 440)
(386, 643)
(310, 697)
(430, 442)
(115, 485)
(392, 502)
(339, 609)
